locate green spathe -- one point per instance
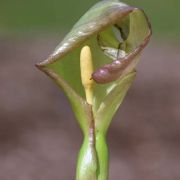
(63, 67)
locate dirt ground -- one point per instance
(39, 137)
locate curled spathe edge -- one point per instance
(84, 30)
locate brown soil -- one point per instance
(39, 138)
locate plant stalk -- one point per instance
(93, 160)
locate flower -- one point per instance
(99, 28)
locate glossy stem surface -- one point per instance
(93, 161)
(103, 157)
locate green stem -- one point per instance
(87, 161)
(103, 157)
(93, 159)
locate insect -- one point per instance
(111, 72)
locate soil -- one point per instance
(39, 137)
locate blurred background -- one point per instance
(39, 137)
